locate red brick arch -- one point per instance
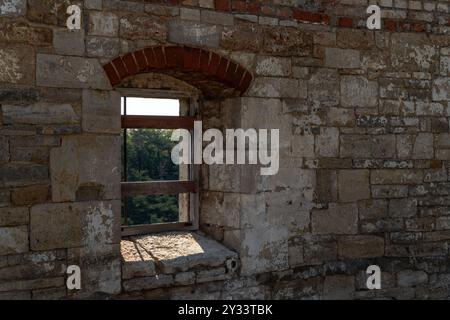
(201, 68)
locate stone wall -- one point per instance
(364, 145)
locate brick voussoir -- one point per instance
(182, 58)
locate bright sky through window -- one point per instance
(151, 107)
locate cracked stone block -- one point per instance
(181, 251)
(136, 261)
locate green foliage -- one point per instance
(148, 158)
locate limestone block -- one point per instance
(273, 66)
(180, 251)
(69, 42)
(86, 162)
(357, 91)
(240, 38)
(136, 262)
(14, 216)
(441, 89)
(30, 195)
(101, 111)
(66, 225)
(360, 246)
(32, 284)
(102, 47)
(327, 142)
(148, 283)
(367, 146)
(318, 250)
(14, 174)
(342, 58)
(103, 24)
(337, 219)
(14, 240)
(276, 88)
(353, 185)
(40, 113)
(396, 176)
(323, 87)
(142, 27)
(338, 287)
(17, 64)
(70, 72)
(12, 8)
(264, 249)
(372, 209)
(193, 33)
(411, 278)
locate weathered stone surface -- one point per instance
(342, 58)
(15, 174)
(4, 149)
(101, 111)
(70, 72)
(357, 91)
(221, 209)
(360, 246)
(339, 287)
(277, 88)
(245, 38)
(402, 207)
(147, 283)
(286, 42)
(12, 8)
(413, 52)
(180, 251)
(410, 278)
(14, 240)
(196, 34)
(142, 27)
(323, 87)
(327, 142)
(103, 24)
(367, 146)
(30, 195)
(38, 11)
(372, 209)
(41, 113)
(22, 32)
(337, 219)
(17, 64)
(353, 185)
(14, 216)
(136, 262)
(273, 66)
(69, 42)
(441, 88)
(86, 162)
(318, 251)
(103, 47)
(396, 176)
(66, 225)
(32, 284)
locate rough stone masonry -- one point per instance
(364, 148)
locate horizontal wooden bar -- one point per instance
(154, 93)
(153, 228)
(158, 122)
(130, 189)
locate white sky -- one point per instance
(152, 107)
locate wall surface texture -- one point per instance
(364, 143)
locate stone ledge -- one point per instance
(174, 258)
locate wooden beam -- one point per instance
(130, 189)
(158, 122)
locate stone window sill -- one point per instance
(174, 259)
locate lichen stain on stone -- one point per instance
(98, 225)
